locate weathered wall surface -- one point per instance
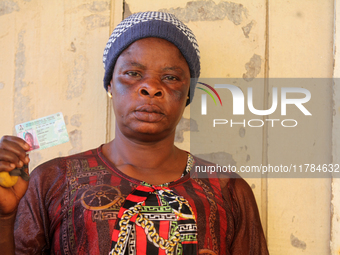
(335, 205)
(300, 45)
(50, 61)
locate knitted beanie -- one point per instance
(152, 24)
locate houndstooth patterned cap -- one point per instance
(152, 24)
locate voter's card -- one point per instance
(44, 132)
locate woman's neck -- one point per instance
(153, 162)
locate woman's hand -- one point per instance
(12, 155)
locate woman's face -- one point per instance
(149, 87)
(29, 140)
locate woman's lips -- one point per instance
(149, 113)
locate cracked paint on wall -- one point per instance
(7, 7)
(93, 7)
(76, 79)
(76, 142)
(76, 120)
(253, 68)
(72, 47)
(21, 102)
(210, 11)
(126, 12)
(98, 6)
(96, 21)
(185, 125)
(246, 29)
(297, 243)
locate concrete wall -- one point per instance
(301, 45)
(335, 205)
(50, 61)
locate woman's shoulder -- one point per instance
(205, 169)
(57, 162)
(56, 169)
(231, 184)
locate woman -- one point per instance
(134, 195)
(30, 140)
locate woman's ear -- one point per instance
(109, 88)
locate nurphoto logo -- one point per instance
(238, 105)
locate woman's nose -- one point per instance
(151, 88)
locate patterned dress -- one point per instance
(156, 220)
(83, 204)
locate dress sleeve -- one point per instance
(249, 237)
(32, 225)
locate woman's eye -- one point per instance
(133, 74)
(171, 78)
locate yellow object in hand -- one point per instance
(7, 180)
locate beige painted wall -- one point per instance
(335, 206)
(300, 45)
(50, 61)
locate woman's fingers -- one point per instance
(13, 151)
(7, 166)
(11, 195)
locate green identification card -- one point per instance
(44, 132)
